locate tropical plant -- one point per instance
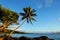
(7, 17)
(28, 16)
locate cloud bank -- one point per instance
(45, 3)
(48, 3)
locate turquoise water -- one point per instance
(52, 36)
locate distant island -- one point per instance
(20, 32)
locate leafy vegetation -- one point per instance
(28, 16)
(7, 17)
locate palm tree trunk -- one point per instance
(16, 28)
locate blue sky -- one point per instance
(48, 11)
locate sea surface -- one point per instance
(51, 36)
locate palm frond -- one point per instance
(27, 20)
(33, 10)
(30, 20)
(22, 18)
(24, 9)
(33, 15)
(33, 19)
(29, 9)
(29, 13)
(22, 14)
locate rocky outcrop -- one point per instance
(24, 38)
(41, 38)
(5, 37)
(37, 38)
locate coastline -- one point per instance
(5, 37)
(34, 35)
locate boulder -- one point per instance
(23, 38)
(43, 38)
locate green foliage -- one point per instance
(8, 15)
(28, 14)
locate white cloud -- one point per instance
(58, 18)
(40, 6)
(45, 3)
(48, 3)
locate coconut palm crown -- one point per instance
(28, 14)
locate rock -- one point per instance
(15, 38)
(43, 38)
(5, 37)
(23, 38)
(36, 38)
(51, 39)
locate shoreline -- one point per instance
(5, 37)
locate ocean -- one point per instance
(51, 36)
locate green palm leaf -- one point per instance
(28, 14)
(33, 15)
(33, 19)
(22, 14)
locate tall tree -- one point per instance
(28, 16)
(7, 17)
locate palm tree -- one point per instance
(28, 15)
